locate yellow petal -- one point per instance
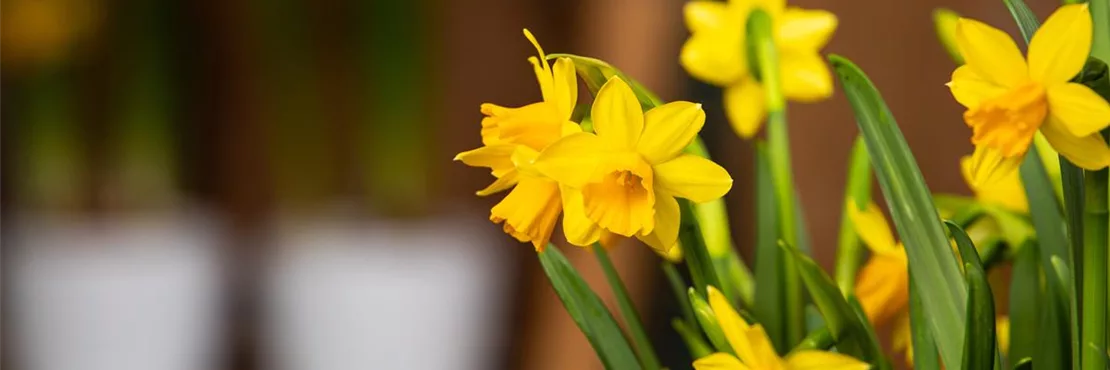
(970, 88)
(529, 211)
(991, 52)
(1002, 329)
(668, 129)
(872, 228)
(692, 177)
(616, 114)
(1080, 109)
(573, 160)
(719, 361)
(804, 30)
(988, 166)
(762, 353)
(565, 87)
(494, 157)
(705, 15)
(1007, 192)
(821, 360)
(882, 287)
(1060, 46)
(541, 68)
(536, 125)
(732, 325)
(578, 228)
(504, 182)
(902, 334)
(623, 201)
(805, 77)
(715, 57)
(744, 107)
(1089, 152)
(664, 238)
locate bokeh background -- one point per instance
(268, 184)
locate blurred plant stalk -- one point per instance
(395, 131)
(144, 159)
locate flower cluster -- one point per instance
(622, 178)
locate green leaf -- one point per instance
(1100, 43)
(632, 323)
(979, 339)
(857, 193)
(924, 347)
(1026, 20)
(849, 329)
(1025, 300)
(857, 308)
(911, 206)
(588, 311)
(595, 72)
(770, 301)
(697, 257)
(1025, 364)
(692, 337)
(1054, 332)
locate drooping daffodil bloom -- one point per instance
(513, 137)
(717, 53)
(625, 177)
(1009, 97)
(754, 350)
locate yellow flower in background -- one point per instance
(45, 31)
(1006, 192)
(717, 53)
(513, 137)
(883, 283)
(625, 177)
(754, 350)
(1009, 98)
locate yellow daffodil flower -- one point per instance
(1006, 192)
(513, 137)
(717, 53)
(625, 177)
(1008, 97)
(883, 284)
(754, 350)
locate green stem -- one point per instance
(640, 340)
(1096, 238)
(678, 287)
(857, 193)
(820, 339)
(760, 37)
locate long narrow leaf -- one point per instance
(588, 311)
(979, 337)
(924, 347)
(937, 274)
(1025, 300)
(850, 330)
(1054, 338)
(857, 193)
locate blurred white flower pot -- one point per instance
(346, 293)
(139, 292)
